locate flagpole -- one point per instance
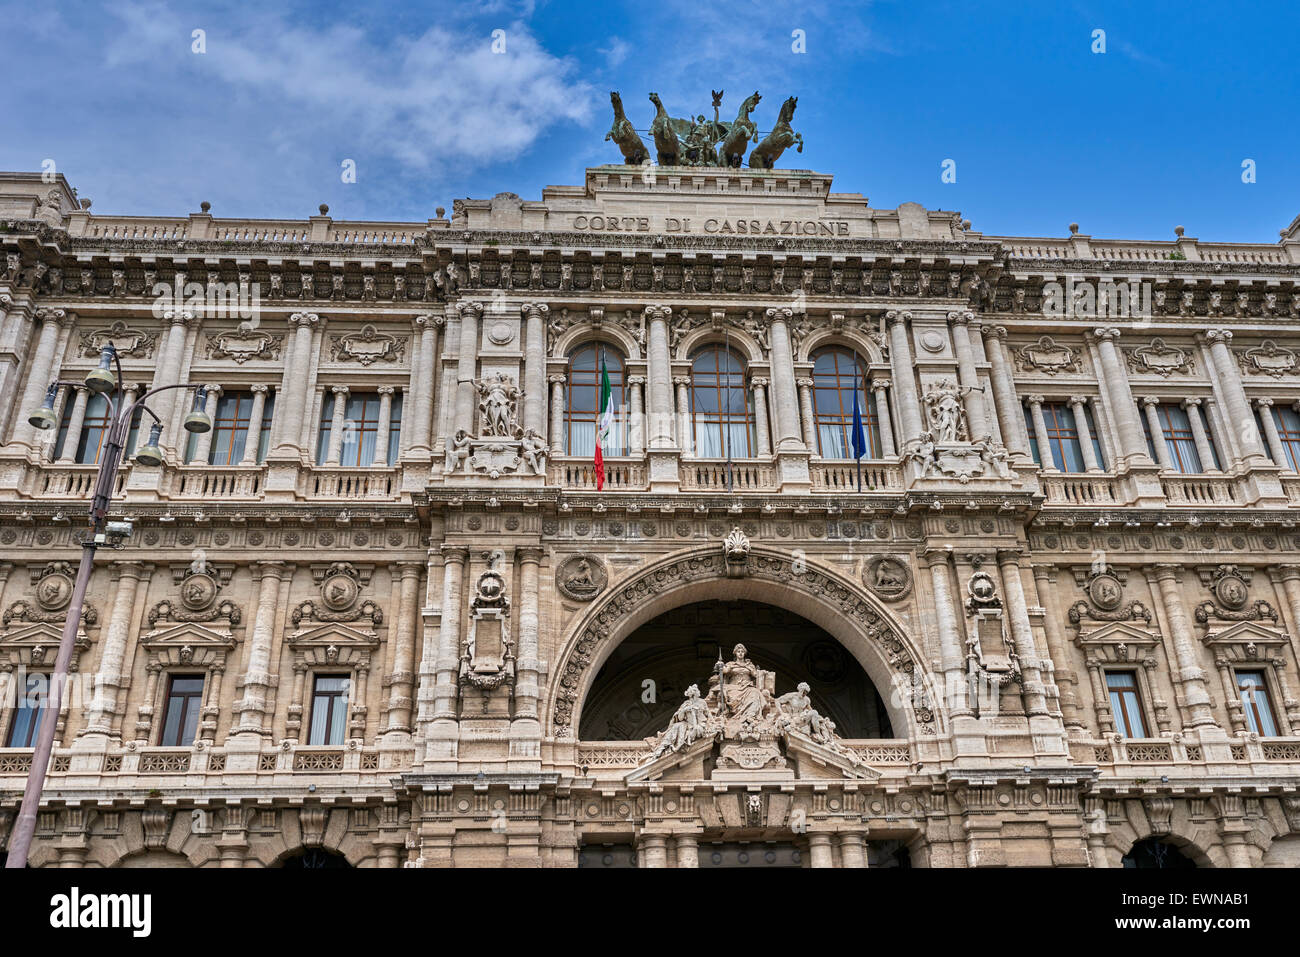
(726, 428)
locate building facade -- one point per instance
(382, 615)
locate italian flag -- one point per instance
(603, 425)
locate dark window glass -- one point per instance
(837, 372)
(29, 709)
(582, 402)
(1126, 703)
(360, 429)
(1063, 436)
(329, 709)
(722, 415)
(1256, 704)
(181, 713)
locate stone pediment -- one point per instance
(807, 760)
(333, 633)
(1245, 640)
(188, 633)
(39, 633)
(1119, 641)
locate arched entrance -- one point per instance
(644, 679)
(820, 595)
(314, 858)
(1154, 853)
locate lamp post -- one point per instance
(106, 380)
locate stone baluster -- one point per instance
(968, 376)
(911, 425)
(1240, 417)
(203, 443)
(75, 424)
(1078, 404)
(535, 366)
(557, 381)
(335, 449)
(881, 388)
(253, 438)
(1151, 407)
(382, 438)
(759, 385)
(1048, 461)
(1005, 399)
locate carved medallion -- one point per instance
(1268, 358)
(581, 577)
(1106, 591)
(982, 589)
(198, 591)
(1161, 358)
(1230, 590)
(1047, 356)
(888, 577)
(54, 589)
(339, 590)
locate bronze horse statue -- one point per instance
(669, 135)
(740, 133)
(624, 134)
(778, 141)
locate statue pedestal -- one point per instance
(496, 458)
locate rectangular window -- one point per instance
(181, 713)
(329, 709)
(1287, 421)
(360, 430)
(29, 708)
(1063, 436)
(1176, 427)
(1126, 703)
(230, 428)
(1255, 703)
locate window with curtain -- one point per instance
(582, 401)
(1177, 429)
(181, 711)
(1063, 436)
(722, 415)
(329, 709)
(837, 373)
(230, 429)
(29, 708)
(1256, 704)
(94, 428)
(360, 429)
(1287, 421)
(1126, 703)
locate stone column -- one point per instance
(806, 415)
(259, 678)
(40, 363)
(819, 850)
(102, 711)
(380, 458)
(535, 366)
(203, 445)
(952, 653)
(1270, 433)
(881, 388)
(1022, 632)
(335, 451)
(659, 370)
(254, 436)
(169, 373)
(557, 412)
(1058, 649)
(1040, 431)
(911, 425)
(467, 367)
(529, 651)
(419, 414)
(653, 850)
(781, 354)
(636, 416)
(15, 333)
(1234, 396)
(293, 403)
(1150, 406)
(455, 558)
(75, 423)
(1014, 433)
(685, 435)
(1132, 444)
(968, 376)
(852, 853)
(403, 676)
(1079, 405)
(1190, 676)
(759, 385)
(688, 850)
(1203, 447)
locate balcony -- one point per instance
(356, 484)
(1200, 490)
(716, 475)
(213, 483)
(622, 474)
(839, 476)
(1079, 489)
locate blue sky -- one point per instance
(1128, 143)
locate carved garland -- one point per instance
(702, 567)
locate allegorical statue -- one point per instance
(779, 140)
(692, 721)
(624, 134)
(498, 398)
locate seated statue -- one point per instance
(691, 722)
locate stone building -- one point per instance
(381, 615)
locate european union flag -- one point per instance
(859, 434)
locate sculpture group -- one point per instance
(704, 142)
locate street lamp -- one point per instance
(105, 380)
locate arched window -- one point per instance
(722, 415)
(582, 401)
(837, 372)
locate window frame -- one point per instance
(726, 422)
(19, 709)
(1251, 715)
(170, 696)
(366, 426)
(333, 697)
(1139, 703)
(577, 378)
(832, 383)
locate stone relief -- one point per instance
(1268, 358)
(1230, 586)
(340, 591)
(888, 577)
(581, 577)
(367, 347)
(1161, 358)
(946, 414)
(487, 659)
(129, 343)
(52, 586)
(1104, 586)
(1047, 356)
(498, 405)
(244, 344)
(200, 584)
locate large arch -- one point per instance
(835, 603)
